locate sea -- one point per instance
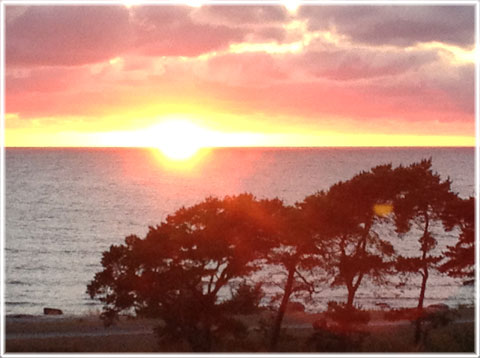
(65, 206)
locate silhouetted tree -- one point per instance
(461, 257)
(194, 271)
(421, 204)
(297, 254)
(343, 221)
(177, 272)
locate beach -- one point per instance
(25, 333)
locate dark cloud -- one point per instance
(400, 25)
(65, 35)
(76, 35)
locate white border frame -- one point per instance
(238, 2)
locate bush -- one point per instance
(339, 331)
(343, 315)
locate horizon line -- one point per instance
(246, 147)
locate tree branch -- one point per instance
(310, 285)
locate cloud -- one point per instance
(400, 25)
(247, 69)
(78, 35)
(262, 23)
(65, 35)
(58, 64)
(170, 31)
(243, 15)
(344, 64)
(267, 34)
(44, 79)
(374, 104)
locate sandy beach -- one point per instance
(88, 334)
(77, 334)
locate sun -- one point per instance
(179, 139)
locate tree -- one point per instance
(180, 272)
(296, 254)
(461, 257)
(343, 222)
(419, 206)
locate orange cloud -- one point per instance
(320, 70)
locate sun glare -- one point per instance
(179, 139)
(291, 5)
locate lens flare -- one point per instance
(382, 209)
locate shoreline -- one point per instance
(86, 333)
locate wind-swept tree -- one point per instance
(343, 221)
(461, 257)
(420, 205)
(181, 271)
(296, 254)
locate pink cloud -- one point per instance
(51, 51)
(246, 69)
(44, 80)
(78, 35)
(170, 31)
(66, 35)
(244, 15)
(352, 64)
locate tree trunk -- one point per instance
(424, 272)
(423, 288)
(352, 286)
(351, 297)
(418, 323)
(282, 309)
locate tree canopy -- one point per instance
(342, 221)
(179, 269)
(195, 271)
(461, 257)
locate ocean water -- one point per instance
(64, 207)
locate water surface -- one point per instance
(64, 207)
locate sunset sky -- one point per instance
(243, 75)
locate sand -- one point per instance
(88, 334)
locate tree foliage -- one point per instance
(195, 271)
(461, 257)
(421, 203)
(343, 221)
(177, 272)
(296, 253)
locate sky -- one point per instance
(240, 75)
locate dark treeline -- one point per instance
(193, 272)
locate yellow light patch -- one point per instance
(291, 5)
(269, 47)
(116, 61)
(457, 54)
(382, 209)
